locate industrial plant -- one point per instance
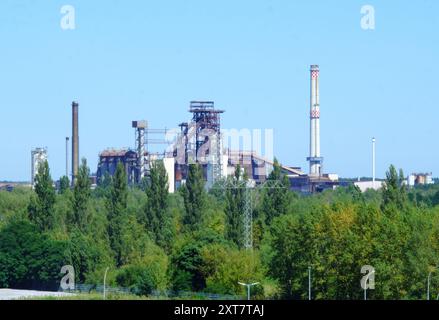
(200, 140)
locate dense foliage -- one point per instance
(192, 240)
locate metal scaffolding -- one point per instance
(141, 127)
(207, 121)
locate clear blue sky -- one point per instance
(130, 60)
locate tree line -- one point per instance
(193, 240)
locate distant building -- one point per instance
(6, 187)
(306, 184)
(39, 156)
(201, 141)
(366, 185)
(258, 169)
(109, 159)
(417, 179)
(11, 186)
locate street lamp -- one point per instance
(428, 282)
(309, 282)
(248, 285)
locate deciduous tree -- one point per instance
(41, 205)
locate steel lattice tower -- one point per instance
(208, 133)
(248, 202)
(140, 127)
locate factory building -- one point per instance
(256, 167)
(420, 179)
(110, 158)
(38, 156)
(200, 141)
(369, 185)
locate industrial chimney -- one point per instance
(67, 156)
(315, 160)
(75, 141)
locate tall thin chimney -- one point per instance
(67, 156)
(75, 140)
(373, 163)
(315, 159)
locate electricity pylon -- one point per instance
(249, 189)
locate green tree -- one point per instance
(194, 196)
(86, 253)
(81, 197)
(64, 184)
(29, 259)
(104, 186)
(394, 190)
(41, 206)
(156, 210)
(275, 200)
(235, 202)
(187, 262)
(147, 273)
(187, 275)
(224, 267)
(435, 199)
(117, 205)
(290, 254)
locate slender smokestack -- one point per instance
(75, 141)
(315, 159)
(373, 163)
(67, 156)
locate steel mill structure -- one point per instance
(142, 163)
(110, 158)
(206, 121)
(199, 140)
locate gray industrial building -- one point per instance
(109, 159)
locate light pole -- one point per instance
(309, 283)
(428, 282)
(373, 163)
(248, 285)
(105, 280)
